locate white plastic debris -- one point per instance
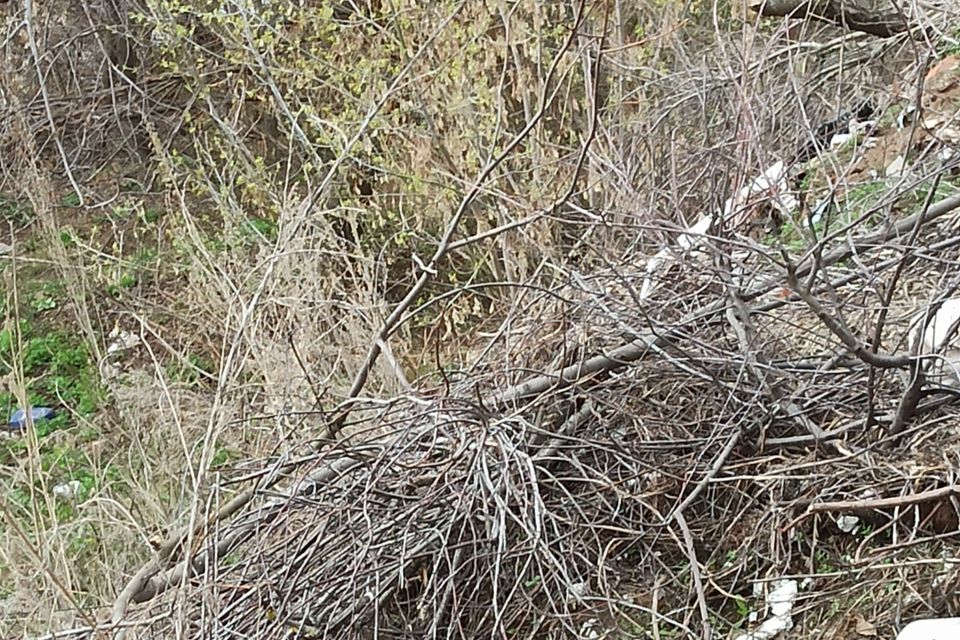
(590, 630)
(931, 629)
(659, 263)
(779, 604)
(68, 490)
(771, 184)
(821, 209)
(848, 523)
(859, 127)
(942, 339)
(576, 592)
(906, 117)
(693, 235)
(840, 139)
(121, 341)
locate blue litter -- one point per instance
(19, 418)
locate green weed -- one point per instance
(71, 199)
(190, 370)
(15, 211)
(58, 371)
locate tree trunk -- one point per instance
(838, 12)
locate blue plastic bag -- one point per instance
(19, 418)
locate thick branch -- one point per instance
(851, 342)
(839, 12)
(886, 503)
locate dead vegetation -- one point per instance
(395, 376)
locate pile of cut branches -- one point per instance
(643, 488)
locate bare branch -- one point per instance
(443, 247)
(641, 346)
(933, 495)
(838, 328)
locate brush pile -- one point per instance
(687, 452)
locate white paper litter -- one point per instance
(779, 604)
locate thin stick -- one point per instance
(695, 572)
